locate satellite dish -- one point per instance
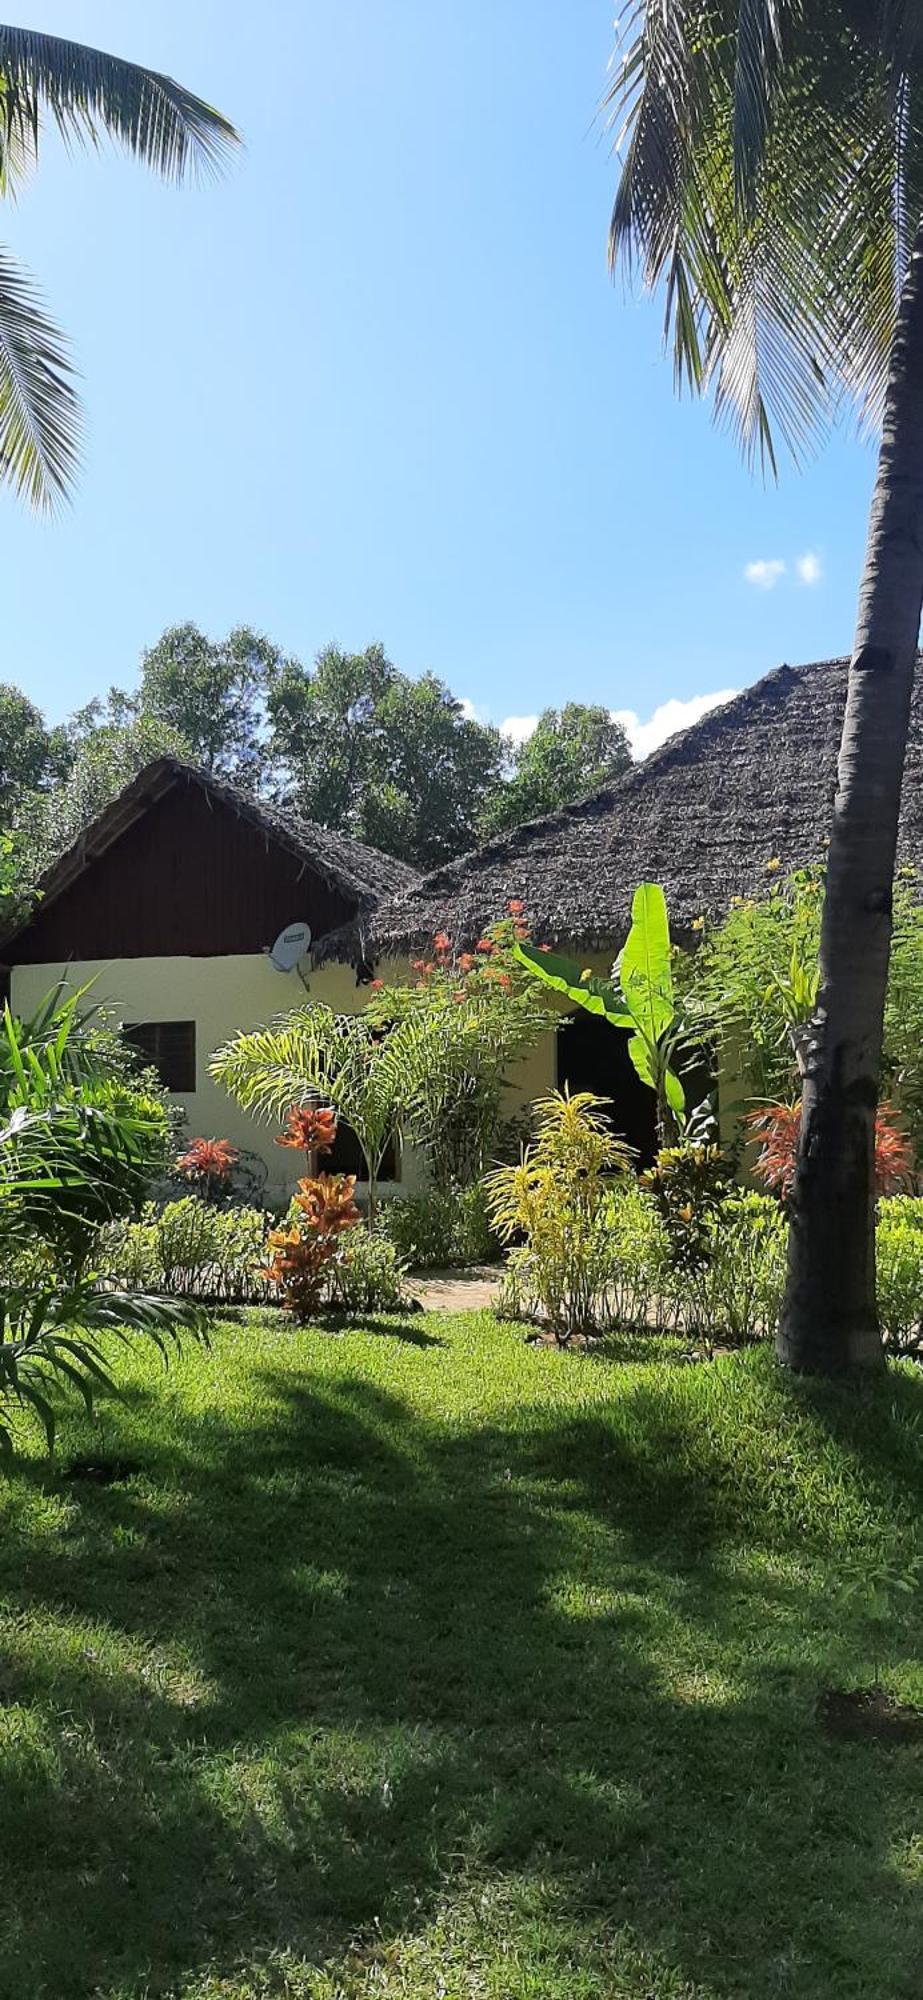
(290, 946)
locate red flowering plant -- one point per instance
(207, 1166)
(777, 1126)
(492, 1011)
(306, 1250)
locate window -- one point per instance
(169, 1048)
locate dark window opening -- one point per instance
(169, 1048)
(346, 1158)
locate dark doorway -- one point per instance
(592, 1055)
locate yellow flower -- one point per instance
(773, 864)
(586, 974)
(698, 924)
(737, 902)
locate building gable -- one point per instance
(188, 877)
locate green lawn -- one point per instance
(424, 1662)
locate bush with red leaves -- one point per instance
(777, 1128)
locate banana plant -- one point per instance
(640, 998)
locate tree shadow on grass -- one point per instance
(309, 1672)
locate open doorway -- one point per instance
(593, 1055)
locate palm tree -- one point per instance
(772, 180)
(85, 94)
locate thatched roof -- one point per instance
(752, 782)
(363, 874)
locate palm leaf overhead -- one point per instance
(87, 95)
(772, 153)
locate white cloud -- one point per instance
(666, 720)
(519, 728)
(470, 710)
(765, 573)
(808, 567)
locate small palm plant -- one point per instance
(386, 1083)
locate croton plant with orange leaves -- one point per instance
(777, 1126)
(323, 1208)
(310, 1129)
(207, 1164)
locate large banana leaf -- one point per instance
(584, 988)
(644, 969)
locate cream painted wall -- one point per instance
(221, 995)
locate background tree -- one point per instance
(773, 180)
(212, 693)
(27, 757)
(365, 749)
(571, 751)
(87, 95)
(103, 761)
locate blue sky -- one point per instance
(378, 383)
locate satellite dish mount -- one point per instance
(290, 947)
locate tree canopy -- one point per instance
(350, 741)
(570, 752)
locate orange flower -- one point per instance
(376, 985)
(520, 931)
(466, 961)
(504, 980)
(442, 941)
(515, 907)
(486, 944)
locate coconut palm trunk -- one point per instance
(829, 1321)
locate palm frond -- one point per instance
(89, 93)
(40, 419)
(57, 1338)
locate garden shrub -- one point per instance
(637, 1271)
(899, 1253)
(555, 1198)
(688, 1182)
(368, 1275)
(735, 1294)
(310, 1242)
(441, 1227)
(191, 1249)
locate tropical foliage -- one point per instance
(86, 95)
(310, 1242)
(639, 998)
(555, 1198)
(78, 1147)
(776, 1128)
(486, 1011)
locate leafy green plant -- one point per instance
(636, 1271)
(640, 998)
(733, 1294)
(368, 1275)
(899, 1270)
(55, 1339)
(555, 1199)
(687, 1182)
(441, 1227)
(489, 1012)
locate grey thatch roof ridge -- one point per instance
(750, 784)
(360, 872)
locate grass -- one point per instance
(421, 1662)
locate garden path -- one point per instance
(457, 1291)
